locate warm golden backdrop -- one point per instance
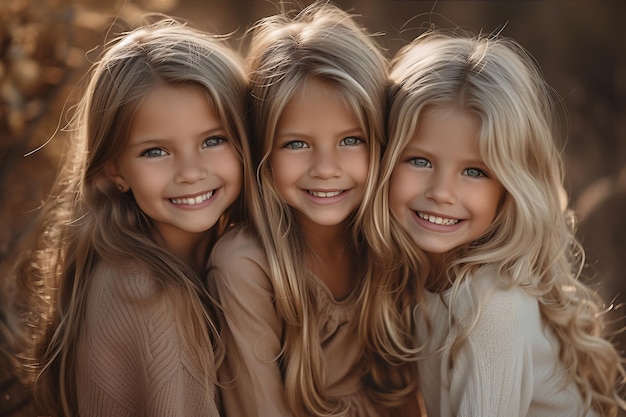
(44, 52)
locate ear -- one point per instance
(111, 171)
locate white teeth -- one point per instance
(325, 194)
(437, 220)
(192, 200)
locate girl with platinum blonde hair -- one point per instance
(293, 282)
(121, 318)
(505, 325)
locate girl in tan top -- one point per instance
(293, 283)
(152, 174)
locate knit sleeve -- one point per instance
(492, 375)
(250, 376)
(133, 361)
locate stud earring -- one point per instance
(120, 187)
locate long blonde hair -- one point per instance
(87, 221)
(326, 43)
(531, 241)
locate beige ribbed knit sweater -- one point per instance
(131, 359)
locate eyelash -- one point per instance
(358, 141)
(481, 173)
(219, 139)
(413, 161)
(290, 145)
(149, 152)
(304, 145)
(162, 152)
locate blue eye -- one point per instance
(474, 172)
(296, 144)
(350, 141)
(154, 152)
(213, 141)
(420, 162)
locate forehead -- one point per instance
(315, 104)
(170, 111)
(446, 125)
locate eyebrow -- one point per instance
(161, 140)
(426, 153)
(353, 131)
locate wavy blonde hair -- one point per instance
(87, 220)
(323, 42)
(531, 240)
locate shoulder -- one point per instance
(129, 313)
(131, 345)
(126, 279)
(513, 302)
(505, 311)
(126, 312)
(239, 276)
(237, 243)
(126, 302)
(238, 261)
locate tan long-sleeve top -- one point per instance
(131, 359)
(253, 385)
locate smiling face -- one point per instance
(179, 163)
(319, 157)
(441, 190)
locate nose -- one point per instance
(441, 187)
(325, 164)
(190, 168)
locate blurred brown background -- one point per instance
(45, 50)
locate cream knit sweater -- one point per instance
(509, 365)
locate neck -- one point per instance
(191, 249)
(327, 239)
(437, 276)
(331, 256)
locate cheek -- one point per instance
(397, 195)
(487, 204)
(287, 169)
(364, 171)
(147, 182)
(237, 175)
(356, 165)
(498, 199)
(231, 169)
(280, 175)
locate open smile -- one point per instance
(325, 194)
(436, 219)
(190, 201)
